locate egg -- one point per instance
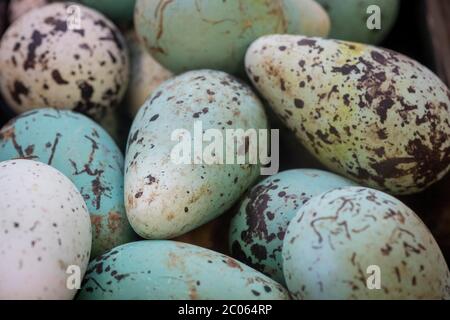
(366, 21)
(370, 114)
(17, 8)
(44, 230)
(169, 190)
(360, 243)
(146, 75)
(169, 270)
(119, 11)
(201, 34)
(257, 230)
(57, 57)
(84, 152)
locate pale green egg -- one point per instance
(201, 34)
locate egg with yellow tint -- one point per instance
(371, 114)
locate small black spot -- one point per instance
(299, 103)
(256, 293)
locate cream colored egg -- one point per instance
(45, 231)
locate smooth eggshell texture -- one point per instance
(201, 34)
(367, 113)
(46, 63)
(169, 270)
(349, 19)
(257, 231)
(44, 228)
(84, 152)
(165, 199)
(336, 236)
(145, 77)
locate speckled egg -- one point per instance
(84, 152)
(146, 75)
(169, 270)
(359, 243)
(373, 115)
(350, 18)
(44, 229)
(257, 231)
(49, 60)
(167, 196)
(17, 8)
(196, 34)
(120, 11)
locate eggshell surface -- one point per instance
(257, 230)
(166, 195)
(359, 243)
(44, 229)
(373, 115)
(86, 154)
(186, 35)
(52, 58)
(169, 270)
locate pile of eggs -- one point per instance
(90, 192)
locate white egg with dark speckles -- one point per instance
(48, 62)
(344, 243)
(44, 229)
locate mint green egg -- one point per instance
(83, 151)
(349, 19)
(169, 270)
(201, 34)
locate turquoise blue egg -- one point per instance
(169, 270)
(83, 151)
(257, 231)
